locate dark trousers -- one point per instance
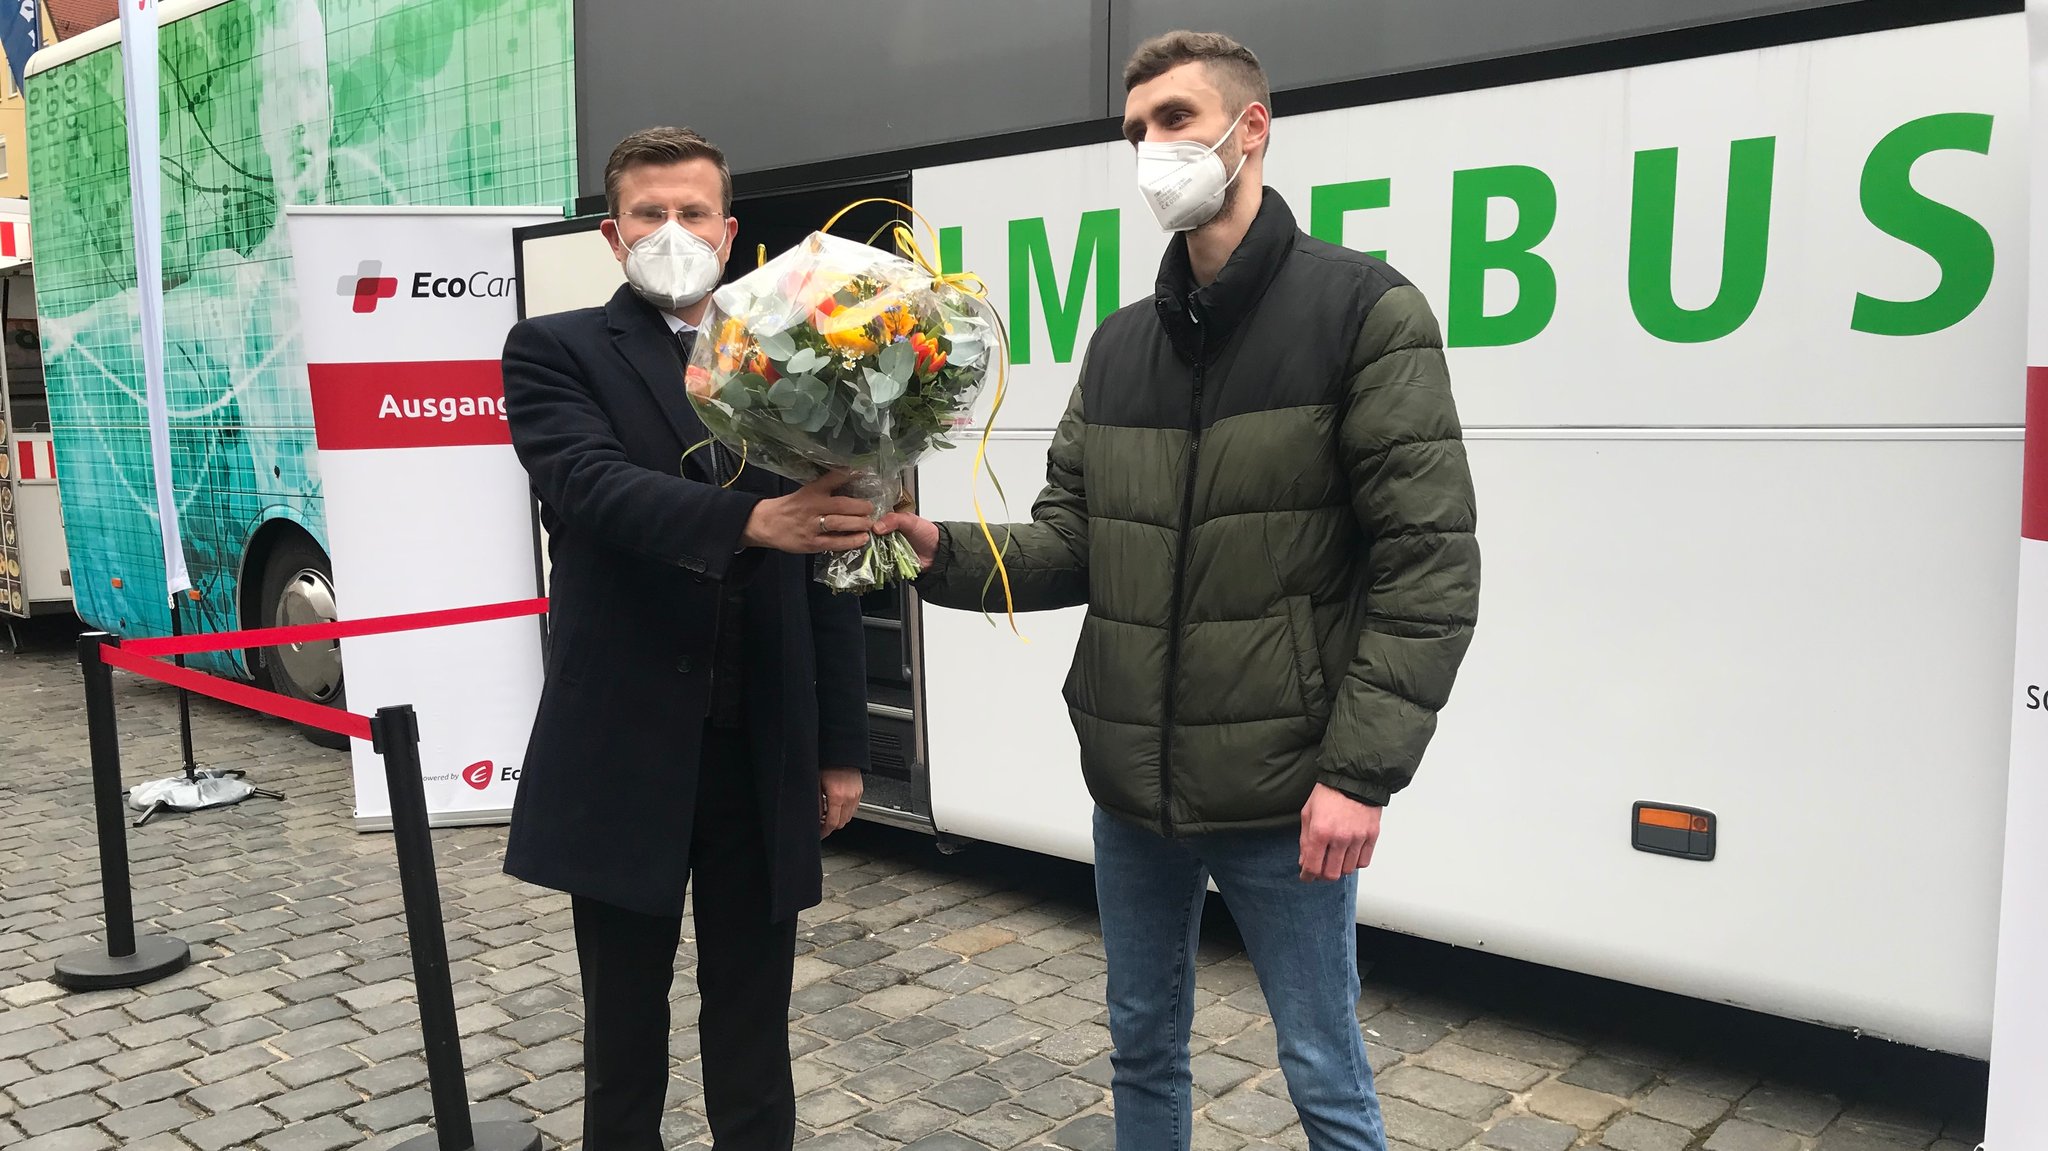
(744, 967)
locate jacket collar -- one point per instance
(1237, 289)
(643, 337)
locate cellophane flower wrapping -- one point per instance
(834, 355)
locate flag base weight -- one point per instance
(155, 957)
(487, 1137)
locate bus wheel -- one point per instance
(298, 588)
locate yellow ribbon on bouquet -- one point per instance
(969, 284)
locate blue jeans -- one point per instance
(1303, 942)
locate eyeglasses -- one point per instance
(688, 217)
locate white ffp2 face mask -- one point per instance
(672, 267)
(1183, 182)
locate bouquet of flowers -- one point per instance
(836, 355)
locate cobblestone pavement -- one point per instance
(948, 1003)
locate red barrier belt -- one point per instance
(325, 718)
(340, 629)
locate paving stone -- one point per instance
(1453, 1058)
(326, 1063)
(1608, 1076)
(1004, 1126)
(61, 1056)
(1088, 1133)
(944, 1060)
(308, 1102)
(1680, 1107)
(1529, 1133)
(1423, 1128)
(888, 1083)
(828, 1108)
(819, 998)
(234, 1129)
(70, 1081)
(967, 1094)
(327, 1133)
(228, 1064)
(1404, 1032)
(1023, 1071)
(1005, 1035)
(1721, 1082)
(1252, 1113)
(75, 1139)
(1061, 1098)
(1742, 1135)
(860, 1054)
(134, 1124)
(975, 940)
(232, 1094)
(845, 1022)
(906, 1121)
(551, 1094)
(146, 1089)
(916, 1032)
(1796, 1111)
(1584, 1109)
(1437, 1091)
(946, 1141)
(1500, 1039)
(412, 1106)
(968, 1010)
(843, 1141)
(1635, 1133)
(162, 1057)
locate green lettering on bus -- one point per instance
(1098, 244)
(1745, 243)
(1472, 255)
(1328, 204)
(1958, 243)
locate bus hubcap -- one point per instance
(314, 668)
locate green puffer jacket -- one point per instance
(1260, 491)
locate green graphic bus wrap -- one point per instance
(265, 103)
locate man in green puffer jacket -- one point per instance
(1260, 492)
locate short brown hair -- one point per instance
(1231, 65)
(661, 147)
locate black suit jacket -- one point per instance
(643, 544)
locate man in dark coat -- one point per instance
(704, 719)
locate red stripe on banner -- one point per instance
(2034, 485)
(340, 629)
(325, 718)
(7, 240)
(26, 460)
(419, 404)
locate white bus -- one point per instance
(1737, 341)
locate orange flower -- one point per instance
(897, 322)
(757, 362)
(929, 358)
(698, 381)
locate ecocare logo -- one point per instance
(369, 286)
(478, 775)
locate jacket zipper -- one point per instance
(1180, 576)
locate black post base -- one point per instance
(488, 1136)
(155, 957)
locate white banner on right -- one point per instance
(2019, 1024)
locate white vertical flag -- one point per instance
(139, 67)
(2019, 1022)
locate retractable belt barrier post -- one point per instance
(132, 961)
(397, 739)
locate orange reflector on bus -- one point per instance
(1668, 829)
(117, 583)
